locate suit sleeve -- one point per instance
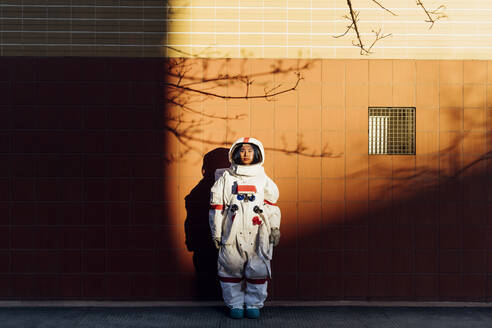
(272, 210)
(217, 208)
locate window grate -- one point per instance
(392, 130)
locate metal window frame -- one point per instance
(381, 121)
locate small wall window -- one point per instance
(392, 130)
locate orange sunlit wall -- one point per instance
(354, 226)
(105, 167)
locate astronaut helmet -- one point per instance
(259, 152)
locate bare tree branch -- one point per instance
(353, 18)
(267, 95)
(384, 8)
(432, 15)
(378, 36)
(187, 87)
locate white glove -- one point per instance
(217, 242)
(275, 236)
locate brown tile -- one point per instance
(309, 286)
(488, 118)
(333, 167)
(313, 71)
(356, 237)
(380, 189)
(309, 167)
(475, 71)
(427, 71)
(357, 120)
(288, 188)
(212, 67)
(427, 96)
(357, 189)
(355, 261)
(285, 118)
(427, 143)
(260, 67)
(404, 71)
(474, 286)
(333, 71)
(333, 142)
(381, 95)
(427, 287)
(451, 71)
(333, 213)
(474, 188)
(333, 96)
(356, 213)
(380, 166)
(290, 66)
(426, 237)
(450, 120)
(474, 96)
(263, 117)
(450, 96)
(403, 166)
(355, 286)
(311, 140)
(474, 143)
(239, 123)
(475, 168)
(404, 189)
(289, 212)
(404, 95)
(379, 284)
(310, 215)
(357, 96)
(357, 71)
(357, 143)
(284, 288)
(380, 71)
(427, 119)
(489, 72)
(356, 166)
(309, 95)
(333, 119)
(333, 190)
(310, 119)
(450, 166)
(450, 142)
(285, 165)
(288, 99)
(309, 190)
(474, 119)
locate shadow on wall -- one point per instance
(393, 227)
(85, 196)
(399, 227)
(197, 229)
(416, 236)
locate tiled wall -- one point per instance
(309, 29)
(99, 199)
(82, 181)
(125, 28)
(240, 29)
(357, 226)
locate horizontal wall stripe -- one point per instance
(254, 29)
(321, 47)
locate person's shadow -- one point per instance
(197, 229)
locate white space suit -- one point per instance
(242, 214)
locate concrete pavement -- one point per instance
(272, 316)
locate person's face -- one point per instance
(247, 154)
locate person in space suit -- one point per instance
(245, 223)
